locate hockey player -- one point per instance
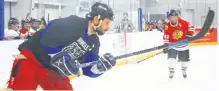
(162, 24)
(12, 31)
(177, 29)
(75, 36)
(35, 24)
(26, 29)
(42, 24)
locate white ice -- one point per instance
(152, 75)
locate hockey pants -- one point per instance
(28, 74)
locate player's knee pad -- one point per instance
(184, 64)
(172, 62)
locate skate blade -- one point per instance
(19, 56)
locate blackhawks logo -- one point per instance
(177, 34)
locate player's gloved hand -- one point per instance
(107, 61)
(65, 65)
(189, 34)
(165, 50)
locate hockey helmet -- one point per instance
(13, 21)
(101, 10)
(125, 14)
(35, 20)
(164, 21)
(174, 12)
(24, 21)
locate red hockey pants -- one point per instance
(27, 74)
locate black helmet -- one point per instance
(35, 20)
(174, 13)
(101, 9)
(13, 21)
(125, 14)
(25, 21)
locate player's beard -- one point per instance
(98, 29)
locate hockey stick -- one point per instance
(19, 56)
(6, 89)
(150, 56)
(27, 16)
(211, 30)
(206, 26)
(41, 24)
(146, 57)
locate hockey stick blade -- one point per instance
(206, 26)
(212, 29)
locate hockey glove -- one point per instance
(165, 50)
(65, 65)
(107, 61)
(189, 34)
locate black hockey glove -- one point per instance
(107, 61)
(189, 34)
(65, 65)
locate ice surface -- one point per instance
(152, 75)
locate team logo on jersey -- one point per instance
(177, 34)
(77, 48)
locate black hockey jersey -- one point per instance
(66, 34)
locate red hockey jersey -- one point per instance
(173, 33)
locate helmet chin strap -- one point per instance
(97, 28)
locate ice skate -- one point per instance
(171, 74)
(184, 72)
